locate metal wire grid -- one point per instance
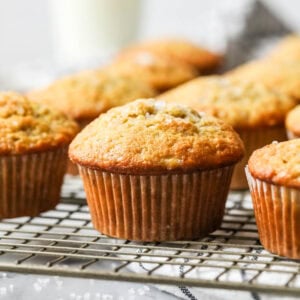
(63, 242)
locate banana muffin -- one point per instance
(154, 171)
(33, 154)
(292, 123)
(274, 181)
(255, 112)
(203, 60)
(159, 71)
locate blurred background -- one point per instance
(62, 34)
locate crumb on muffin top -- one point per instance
(27, 127)
(85, 95)
(149, 136)
(241, 103)
(293, 121)
(277, 163)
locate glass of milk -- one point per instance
(88, 30)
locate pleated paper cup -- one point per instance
(277, 213)
(31, 183)
(254, 139)
(157, 207)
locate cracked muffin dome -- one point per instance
(149, 136)
(277, 163)
(241, 103)
(28, 127)
(85, 95)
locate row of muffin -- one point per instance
(256, 110)
(152, 171)
(256, 107)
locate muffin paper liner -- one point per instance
(254, 139)
(277, 213)
(157, 207)
(31, 183)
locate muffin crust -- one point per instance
(152, 137)
(241, 103)
(277, 163)
(28, 127)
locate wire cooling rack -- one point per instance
(63, 242)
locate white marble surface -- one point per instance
(14, 286)
(35, 287)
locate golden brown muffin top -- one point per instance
(150, 137)
(293, 121)
(27, 127)
(277, 163)
(243, 104)
(181, 50)
(85, 95)
(288, 49)
(284, 76)
(160, 72)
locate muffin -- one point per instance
(85, 95)
(255, 112)
(283, 76)
(159, 71)
(154, 171)
(203, 60)
(274, 181)
(33, 155)
(292, 123)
